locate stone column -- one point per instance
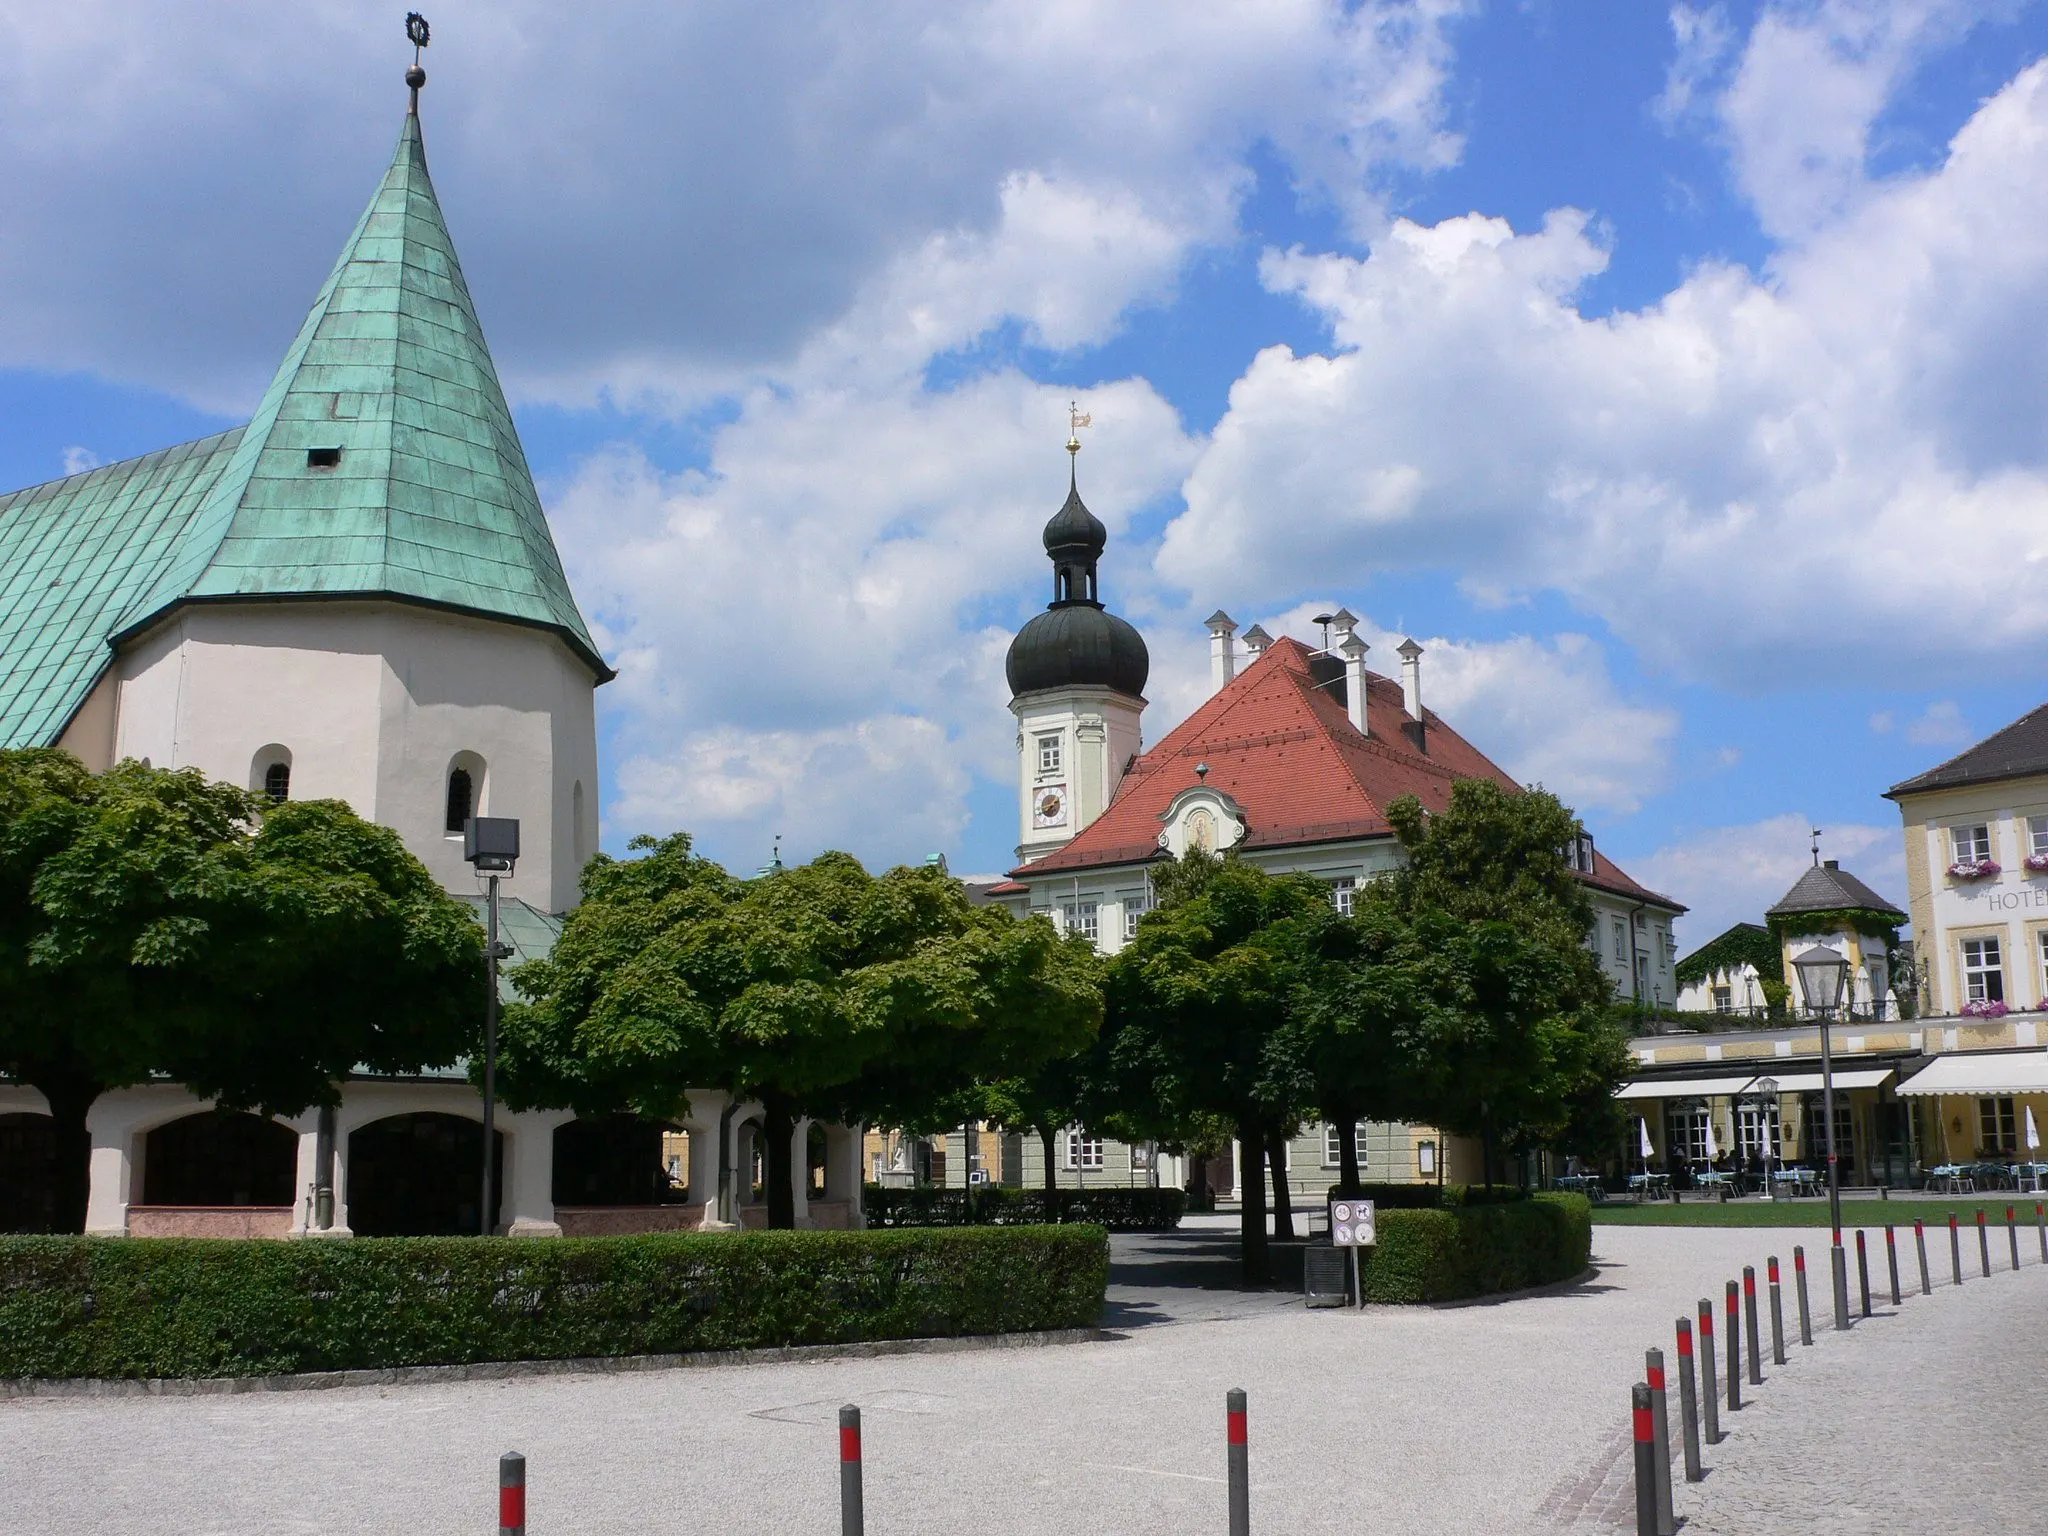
(111, 1124)
(528, 1206)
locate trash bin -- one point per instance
(1325, 1276)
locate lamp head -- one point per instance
(1822, 973)
(491, 843)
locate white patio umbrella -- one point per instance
(1649, 1151)
(2033, 1131)
(1713, 1147)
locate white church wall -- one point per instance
(375, 702)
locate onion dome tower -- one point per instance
(1077, 682)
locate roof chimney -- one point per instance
(1354, 650)
(1222, 649)
(1255, 642)
(1411, 689)
(1342, 623)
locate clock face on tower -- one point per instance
(1049, 806)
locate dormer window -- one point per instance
(323, 458)
(1578, 853)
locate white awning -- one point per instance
(1735, 1087)
(1981, 1072)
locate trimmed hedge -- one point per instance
(151, 1307)
(1478, 1250)
(998, 1205)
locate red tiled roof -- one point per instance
(1287, 752)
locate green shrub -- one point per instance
(1119, 1209)
(168, 1308)
(1478, 1250)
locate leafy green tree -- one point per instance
(1200, 1014)
(1523, 1038)
(155, 923)
(819, 990)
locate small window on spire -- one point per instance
(323, 458)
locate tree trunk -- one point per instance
(1254, 1260)
(1283, 1200)
(1486, 1146)
(1049, 1139)
(778, 1125)
(70, 1101)
(1347, 1154)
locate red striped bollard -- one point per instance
(852, 1507)
(2012, 1235)
(1240, 1466)
(1646, 1460)
(1891, 1259)
(1660, 1437)
(1863, 1271)
(1777, 1312)
(1799, 1275)
(1983, 1243)
(511, 1494)
(1710, 1398)
(1734, 1349)
(1920, 1247)
(1955, 1248)
(1756, 1354)
(1689, 1404)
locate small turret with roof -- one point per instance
(1077, 682)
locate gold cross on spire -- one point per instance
(1076, 420)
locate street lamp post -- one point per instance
(1822, 972)
(491, 846)
(1767, 1096)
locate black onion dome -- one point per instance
(1075, 529)
(1078, 643)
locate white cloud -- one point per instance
(1713, 475)
(78, 460)
(1940, 724)
(648, 195)
(1702, 38)
(1729, 875)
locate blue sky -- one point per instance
(1670, 372)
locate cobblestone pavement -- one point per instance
(1497, 1418)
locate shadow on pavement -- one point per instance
(1191, 1275)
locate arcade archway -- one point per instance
(420, 1175)
(28, 1173)
(213, 1158)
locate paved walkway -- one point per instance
(1486, 1419)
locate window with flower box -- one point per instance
(1971, 844)
(1983, 971)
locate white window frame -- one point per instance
(1333, 1148)
(1136, 905)
(1344, 894)
(1983, 969)
(1082, 917)
(1685, 1128)
(1082, 1153)
(1621, 939)
(1752, 1122)
(1997, 1124)
(1724, 998)
(2042, 937)
(1050, 753)
(2037, 836)
(1970, 844)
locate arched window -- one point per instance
(461, 799)
(270, 772)
(277, 782)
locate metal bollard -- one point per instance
(1983, 1243)
(1955, 1248)
(511, 1494)
(1891, 1259)
(2012, 1235)
(1863, 1271)
(1660, 1435)
(1240, 1468)
(1799, 1279)
(1710, 1397)
(1920, 1246)
(852, 1507)
(1734, 1351)
(1777, 1314)
(1646, 1461)
(1756, 1354)
(1688, 1404)
(2041, 1221)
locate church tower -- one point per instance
(1077, 682)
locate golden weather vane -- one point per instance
(1076, 420)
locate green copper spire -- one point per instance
(382, 462)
